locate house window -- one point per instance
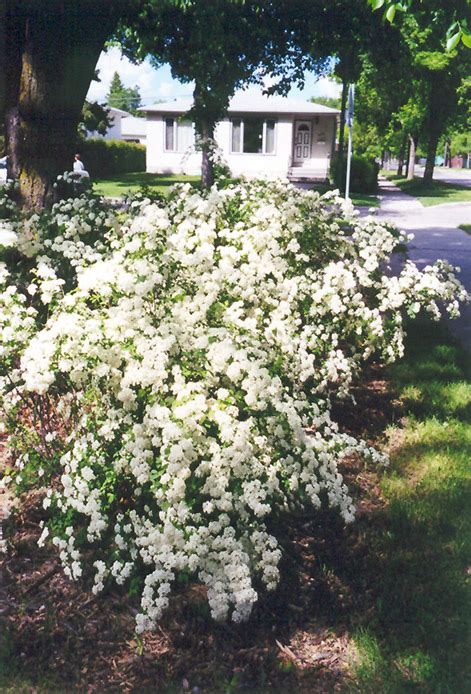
(270, 136)
(253, 135)
(170, 134)
(236, 131)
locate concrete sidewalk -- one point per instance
(435, 236)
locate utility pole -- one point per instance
(349, 120)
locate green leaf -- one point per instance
(466, 38)
(453, 41)
(451, 28)
(390, 13)
(376, 4)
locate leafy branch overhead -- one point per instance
(457, 31)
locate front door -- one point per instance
(302, 142)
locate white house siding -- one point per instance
(315, 161)
(114, 131)
(134, 129)
(161, 161)
(115, 116)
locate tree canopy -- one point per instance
(424, 91)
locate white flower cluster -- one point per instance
(204, 340)
(7, 205)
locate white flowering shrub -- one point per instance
(7, 195)
(185, 378)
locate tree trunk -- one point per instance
(407, 158)
(441, 93)
(207, 164)
(447, 154)
(51, 52)
(412, 151)
(3, 67)
(205, 124)
(400, 162)
(432, 145)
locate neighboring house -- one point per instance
(123, 127)
(271, 136)
(134, 129)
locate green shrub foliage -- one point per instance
(363, 176)
(112, 157)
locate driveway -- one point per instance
(435, 236)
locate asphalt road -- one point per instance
(436, 235)
(461, 177)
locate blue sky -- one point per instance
(158, 84)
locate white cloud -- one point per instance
(165, 89)
(326, 87)
(170, 89)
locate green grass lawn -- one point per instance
(364, 200)
(436, 194)
(123, 184)
(418, 637)
(465, 227)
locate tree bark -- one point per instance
(412, 151)
(51, 51)
(207, 164)
(437, 114)
(205, 124)
(407, 158)
(400, 162)
(432, 145)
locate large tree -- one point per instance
(425, 90)
(48, 56)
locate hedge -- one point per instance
(363, 175)
(110, 157)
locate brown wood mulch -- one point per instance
(298, 639)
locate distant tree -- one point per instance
(126, 98)
(460, 143)
(330, 101)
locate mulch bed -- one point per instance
(298, 638)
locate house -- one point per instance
(271, 136)
(123, 127)
(133, 129)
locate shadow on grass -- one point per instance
(417, 635)
(434, 192)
